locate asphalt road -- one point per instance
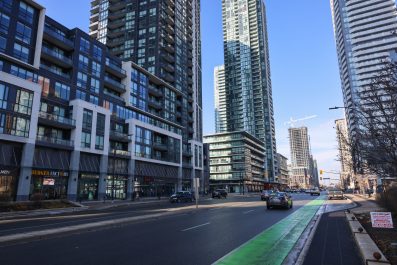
(186, 236)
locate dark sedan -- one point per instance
(219, 193)
(279, 199)
(182, 196)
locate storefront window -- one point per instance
(116, 187)
(88, 187)
(8, 184)
(51, 185)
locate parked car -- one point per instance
(182, 196)
(266, 194)
(315, 191)
(219, 193)
(338, 194)
(279, 199)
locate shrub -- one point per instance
(388, 199)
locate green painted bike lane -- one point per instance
(273, 245)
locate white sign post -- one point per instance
(381, 220)
(196, 189)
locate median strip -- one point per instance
(273, 245)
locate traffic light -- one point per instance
(321, 171)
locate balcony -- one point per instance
(169, 48)
(113, 95)
(119, 153)
(168, 67)
(168, 38)
(169, 11)
(56, 57)
(170, 3)
(56, 120)
(113, 84)
(54, 71)
(117, 6)
(169, 29)
(115, 69)
(116, 23)
(119, 136)
(155, 104)
(187, 153)
(155, 91)
(160, 146)
(117, 33)
(51, 141)
(168, 19)
(168, 58)
(167, 77)
(51, 35)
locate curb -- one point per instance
(42, 212)
(364, 242)
(298, 253)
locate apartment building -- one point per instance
(77, 122)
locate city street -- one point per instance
(183, 235)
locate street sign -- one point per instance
(381, 220)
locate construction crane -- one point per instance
(292, 122)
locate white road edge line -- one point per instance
(190, 228)
(248, 211)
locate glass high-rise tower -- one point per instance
(249, 104)
(365, 35)
(162, 36)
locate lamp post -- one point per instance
(114, 172)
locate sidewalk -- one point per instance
(333, 241)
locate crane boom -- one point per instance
(292, 122)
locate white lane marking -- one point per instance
(248, 211)
(194, 227)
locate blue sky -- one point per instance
(303, 61)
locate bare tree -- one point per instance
(373, 142)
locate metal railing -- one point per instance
(55, 34)
(57, 55)
(53, 140)
(119, 152)
(57, 118)
(114, 82)
(115, 67)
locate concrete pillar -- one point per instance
(73, 176)
(131, 178)
(25, 173)
(103, 173)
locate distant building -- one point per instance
(300, 157)
(237, 161)
(345, 158)
(283, 172)
(220, 99)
